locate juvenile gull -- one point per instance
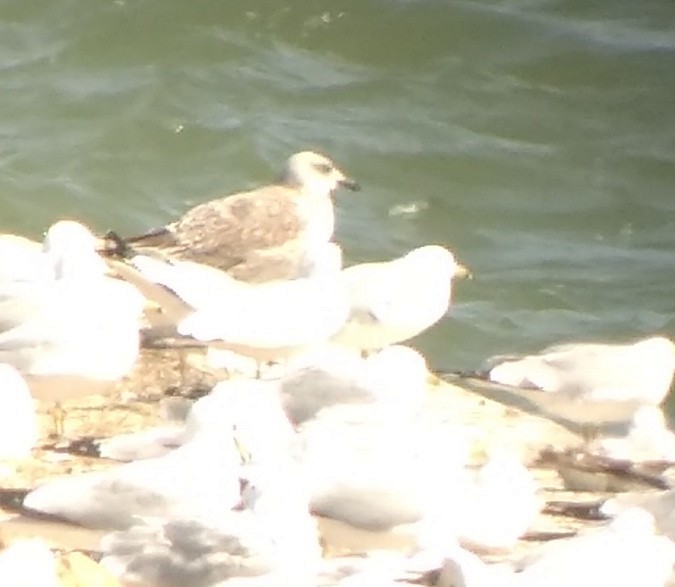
(263, 234)
(397, 300)
(71, 330)
(590, 383)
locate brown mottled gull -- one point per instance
(262, 234)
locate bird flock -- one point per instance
(340, 429)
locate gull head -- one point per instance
(659, 353)
(400, 373)
(659, 346)
(438, 260)
(71, 248)
(315, 173)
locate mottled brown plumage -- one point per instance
(259, 235)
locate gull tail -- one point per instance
(114, 245)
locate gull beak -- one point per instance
(462, 272)
(349, 184)
(346, 182)
(102, 245)
(433, 380)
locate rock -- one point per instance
(75, 569)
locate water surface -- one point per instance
(534, 137)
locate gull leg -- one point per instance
(58, 419)
(265, 366)
(182, 368)
(258, 369)
(589, 432)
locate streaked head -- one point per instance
(315, 173)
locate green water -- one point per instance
(534, 137)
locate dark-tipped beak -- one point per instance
(349, 184)
(462, 272)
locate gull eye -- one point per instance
(324, 168)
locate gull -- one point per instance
(27, 562)
(25, 260)
(380, 472)
(271, 539)
(196, 480)
(149, 442)
(384, 568)
(590, 383)
(659, 504)
(623, 553)
(397, 300)
(648, 438)
(72, 330)
(144, 444)
(19, 258)
(462, 568)
(266, 321)
(259, 235)
(396, 376)
(19, 431)
(253, 404)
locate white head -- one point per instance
(71, 248)
(400, 372)
(249, 411)
(315, 173)
(649, 419)
(658, 355)
(437, 259)
(208, 415)
(659, 346)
